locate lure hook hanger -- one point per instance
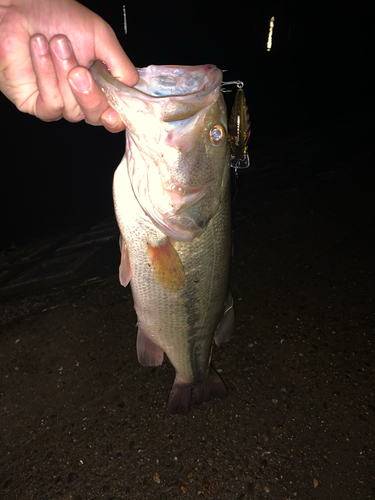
(239, 84)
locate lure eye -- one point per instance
(217, 134)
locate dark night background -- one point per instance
(55, 175)
(80, 418)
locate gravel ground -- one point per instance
(81, 419)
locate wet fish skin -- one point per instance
(175, 227)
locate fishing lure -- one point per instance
(239, 129)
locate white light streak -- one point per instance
(125, 22)
(270, 32)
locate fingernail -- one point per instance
(40, 45)
(80, 81)
(63, 48)
(111, 119)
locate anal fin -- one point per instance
(149, 354)
(227, 325)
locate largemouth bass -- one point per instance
(172, 203)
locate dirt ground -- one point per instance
(81, 419)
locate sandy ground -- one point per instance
(81, 419)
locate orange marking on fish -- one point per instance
(167, 266)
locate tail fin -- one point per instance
(184, 396)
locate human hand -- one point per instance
(45, 48)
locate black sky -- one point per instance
(320, 67)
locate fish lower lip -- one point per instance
(184, 227)
(178, 232)
(179, 200)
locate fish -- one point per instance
(171, 196)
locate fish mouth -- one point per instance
(177, 91)
(173, 80)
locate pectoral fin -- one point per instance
(125, 272)
(167, 266)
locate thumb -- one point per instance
(109, 50)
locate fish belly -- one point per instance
(180, 323)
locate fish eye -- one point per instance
(217, 134)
